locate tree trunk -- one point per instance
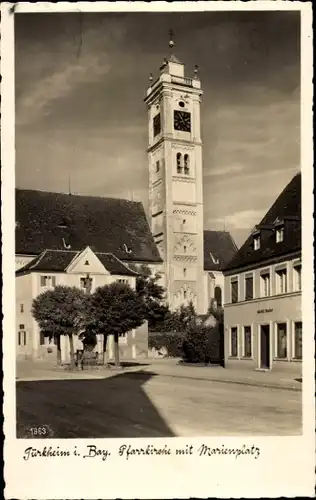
(58, 350)
(116, 350)
(72, 353)
(105, 338)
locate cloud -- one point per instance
(229, 169)
(65, 66)
(244, 219)
(58, 85)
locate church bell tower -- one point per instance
(175, 179)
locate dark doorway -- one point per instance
(265, 346)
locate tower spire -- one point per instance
(171, 39)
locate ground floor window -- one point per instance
(247, 342)
(234, 342)
(298, 340)
(21, 336)
(281, 341)
(123, 338)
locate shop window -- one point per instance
(298, 340)
(281, 341)
(247, 342)
(234, 342)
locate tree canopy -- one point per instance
(60, 311)
(153, 295)
(115, 309)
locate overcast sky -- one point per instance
(80, 84)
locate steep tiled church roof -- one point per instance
(219, 249)
(60, 221)
(286, 208)
(59, 260)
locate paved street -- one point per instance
(144, 404)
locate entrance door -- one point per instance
(265, 346)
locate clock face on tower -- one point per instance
(157, 124)
(182, 121)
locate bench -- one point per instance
(86, 358)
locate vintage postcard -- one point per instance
(157, 229)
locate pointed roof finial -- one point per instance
(151, 78)
(196, 72)
(171, 41)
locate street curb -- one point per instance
(239, 382)
(100, 376)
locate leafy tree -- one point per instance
(179, 320)
(216, 311)
(60, 311)
(115, 309)
(153, 294)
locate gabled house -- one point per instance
(86, 270)
(263, 318)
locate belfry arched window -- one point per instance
(179, 163)
(186, 164)
(218, 296)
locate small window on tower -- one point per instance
(184, 249)
(157, 166)
(184, 294)
(181, 104)
(186, 164)
(157, 125)
(184, 272)
(179, 163)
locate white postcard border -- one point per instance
(285, 466)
